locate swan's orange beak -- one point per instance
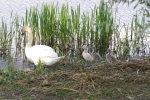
(22, 33)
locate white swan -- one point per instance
(86, 55)
(45, 54)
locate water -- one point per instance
(124, 14)
(18, 64)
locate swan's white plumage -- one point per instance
(86, 55)
(42, 53)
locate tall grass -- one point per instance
(140, 30)
(5, 40)
(64, 29)
(53, 25)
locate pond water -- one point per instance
(18, 64)
(124, 14)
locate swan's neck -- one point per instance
(93, 51)
(85, 50)
(109, 52)
(29, 44)
(128, 59)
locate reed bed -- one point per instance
(5, 41)
(67, 30)
(56, 27)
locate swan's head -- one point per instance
(25, 29)
(84, 47)
(128, 56)
(108, 50)
(93, 48)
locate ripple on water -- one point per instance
(18, 64)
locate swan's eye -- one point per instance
(22, 33)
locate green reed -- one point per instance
(64, 24)
(104, 23)
(123, 45)
(139, 29)
(17, 34)
(48, 24)
(75, 21)
(5, 41)
(53, 25)
(61, 27)
(3, 38)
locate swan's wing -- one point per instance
(87, 56)
(135, 60)
(96, 56)
(43, 47)
(110, 58)
(41, 51)
(51, 61)
(48, 60)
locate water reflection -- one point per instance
(17, 63)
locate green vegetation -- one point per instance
(55, 27)
(67, 30)
(139, 26)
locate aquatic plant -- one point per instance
(66, 29)
(51, 25)
(5, 40)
